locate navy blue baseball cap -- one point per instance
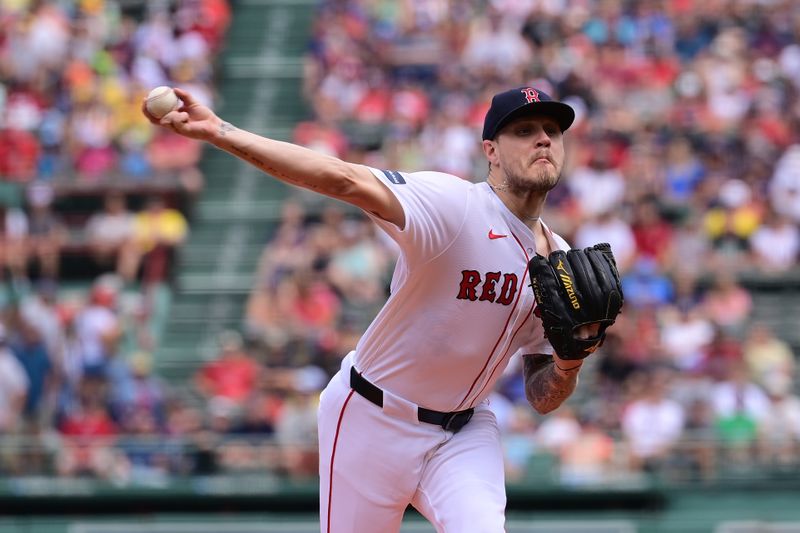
(508, 105)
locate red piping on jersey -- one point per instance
(333, 454)
(497, 364)
(527, 316)
(510, 314)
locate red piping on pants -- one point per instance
(333, 454)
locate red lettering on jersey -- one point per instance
(508, 290)
(488, 294)
(469, 282)
(470, 279)
(531, 95)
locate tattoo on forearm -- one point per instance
(545, 388)
(271, 170)
(225, 127)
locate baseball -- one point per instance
(161, 101)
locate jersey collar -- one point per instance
(522, 231)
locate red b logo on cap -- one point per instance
(531, 95)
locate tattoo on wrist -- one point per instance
(545, 388)
(225, 127)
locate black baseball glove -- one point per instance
(574, 289)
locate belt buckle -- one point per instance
(456, 420)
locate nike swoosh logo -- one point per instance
(493, 235)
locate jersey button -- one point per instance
(530, 250)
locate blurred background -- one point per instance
(168, 315)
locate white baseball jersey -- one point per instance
(460, 305)
(460, 308)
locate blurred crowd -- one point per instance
(685, 156)
(72, 78)
(86, 180)
(74, 75)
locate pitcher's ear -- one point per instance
(490, 151)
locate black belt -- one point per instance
(452, 421)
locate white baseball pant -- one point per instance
(375, 461)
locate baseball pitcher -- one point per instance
(481, 278)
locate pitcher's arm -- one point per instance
(293, 164)
(548, 381)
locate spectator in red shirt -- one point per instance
(233, 375)
(653, 234)
(89, 433)
(19, 153)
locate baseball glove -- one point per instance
(574, 289)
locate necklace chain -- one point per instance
(503, 188)
(497, 188)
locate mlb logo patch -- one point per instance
(394, 176)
